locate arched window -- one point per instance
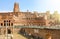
(9, 20)
(7, 23)
(1, 24)
(11, 24)
(4, 21)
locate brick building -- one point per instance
(21, 18)
(25, 19)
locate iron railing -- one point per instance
(39, 27)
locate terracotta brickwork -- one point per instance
(26, 19)
(44, 33)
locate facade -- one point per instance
(27, 18)
(21, 18)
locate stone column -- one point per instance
(0, 31)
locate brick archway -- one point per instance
(48, 36)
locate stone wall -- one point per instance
(44, 33)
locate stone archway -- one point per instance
(8, 31)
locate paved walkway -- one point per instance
(18, 36)
(2, 36)
(15, 36)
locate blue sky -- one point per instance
(31, 5)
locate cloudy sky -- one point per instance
(31, 5)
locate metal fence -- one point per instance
(39, 27)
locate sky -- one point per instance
(31, 5)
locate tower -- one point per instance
(16, 7)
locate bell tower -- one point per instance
(16, 7)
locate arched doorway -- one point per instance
(8, 31)
(22, 30)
